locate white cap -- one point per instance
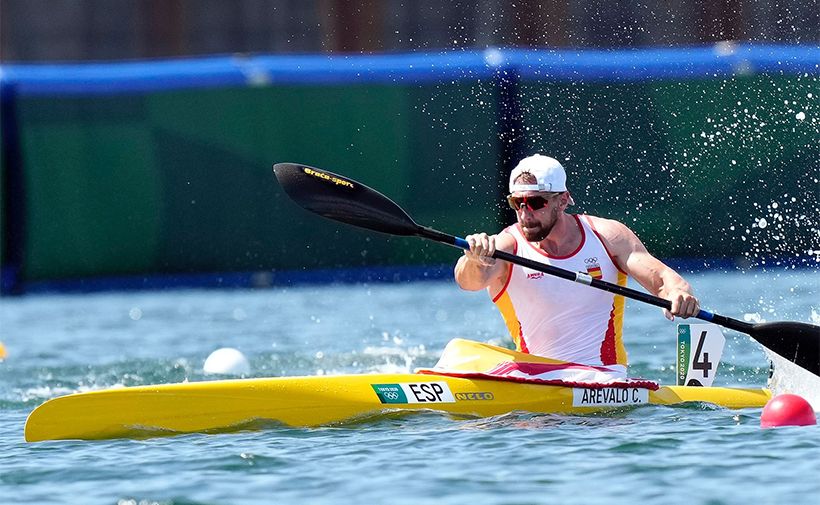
(548, 172)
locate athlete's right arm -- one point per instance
(477, 269)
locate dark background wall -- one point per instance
(126, 29)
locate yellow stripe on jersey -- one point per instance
(618, 311)
(505, 306)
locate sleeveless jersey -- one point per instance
(560, 319)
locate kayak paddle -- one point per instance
(341, 199)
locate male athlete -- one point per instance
(553, 317)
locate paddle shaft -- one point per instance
(586, 279)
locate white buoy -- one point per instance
(227, 361)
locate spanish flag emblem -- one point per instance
(595, 271)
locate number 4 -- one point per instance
(705, 365)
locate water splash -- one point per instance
(790, 378)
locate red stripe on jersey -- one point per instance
(609, 356)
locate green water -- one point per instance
(59, 344)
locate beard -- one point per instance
(535, 230)
(536, 233)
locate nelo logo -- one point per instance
(475, 396)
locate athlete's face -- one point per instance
(537, 213)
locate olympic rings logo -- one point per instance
(591, 261)
(391, 395)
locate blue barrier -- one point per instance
(558, 65)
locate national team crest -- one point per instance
(594, 268)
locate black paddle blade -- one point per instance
(338, 198)
(797, 342)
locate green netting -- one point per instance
(182, 182)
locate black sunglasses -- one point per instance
(532, 202)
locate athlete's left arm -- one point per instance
(659, 279)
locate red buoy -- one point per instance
(787, 410)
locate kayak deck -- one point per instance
(227, 405)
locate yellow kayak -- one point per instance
(229, 405)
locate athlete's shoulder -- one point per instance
(617, 237)
(604, 226)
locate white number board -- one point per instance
(700, 347)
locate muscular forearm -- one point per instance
(474, 274)
(669, 282)
(664, 282)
